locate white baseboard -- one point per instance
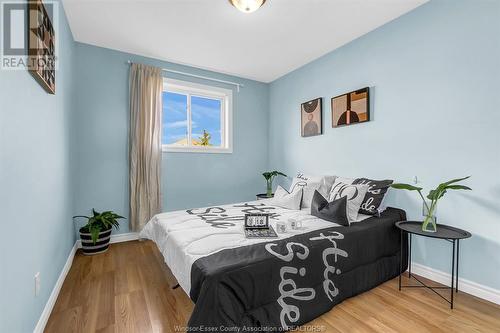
(44, 317)
(130, 236)
(118, 238)
(467, 286)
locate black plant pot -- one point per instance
(100, 246)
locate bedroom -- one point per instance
(240, 94)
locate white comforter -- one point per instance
(185, 236)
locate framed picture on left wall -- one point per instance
(311, 115)
(41, 45)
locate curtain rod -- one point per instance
(238, 85)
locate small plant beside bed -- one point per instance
(95, 235)
(269, 176)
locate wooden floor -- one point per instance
(128, 289)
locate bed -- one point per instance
(273, 284)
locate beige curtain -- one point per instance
(146, 86)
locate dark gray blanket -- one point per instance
(285, 283)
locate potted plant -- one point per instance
(269, 176)
(95, 235)
(429, 210)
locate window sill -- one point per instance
(166, 149)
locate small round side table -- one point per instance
(446, 232)
(262, 196)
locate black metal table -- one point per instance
(446, 232)
(261, 196)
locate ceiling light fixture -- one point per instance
(247, 6)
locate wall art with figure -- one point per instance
(311, 117)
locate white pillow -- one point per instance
(345, 180)
(354, 193)
(383, 204)
(309, 184)
(282, 198)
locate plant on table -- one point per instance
(434, 195)
(269, 176)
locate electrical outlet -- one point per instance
(37, 283)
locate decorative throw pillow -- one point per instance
(282, 198)
(345, 180)
(372, 203)
(309, 184)
(335, 211)
(354, 193)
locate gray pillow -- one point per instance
(374, 196)
(335, 211)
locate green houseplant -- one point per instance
(269, 176)
(429, 223)
(95, 235)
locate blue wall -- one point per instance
(35, 187)
(434, 76)
(189, 179)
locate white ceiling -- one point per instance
(211, 34)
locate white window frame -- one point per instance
(200, 90)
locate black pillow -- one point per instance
(373, 198)
(334, 211)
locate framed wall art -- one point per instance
(41, 46)
(351, 108)
(311, 118)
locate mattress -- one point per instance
(237, 282)
(184, 236)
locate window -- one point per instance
(196, 118)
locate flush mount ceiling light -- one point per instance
(247, 6)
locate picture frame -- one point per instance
(351, 108)
(41, 46)
(256, 221)
(311, 117)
